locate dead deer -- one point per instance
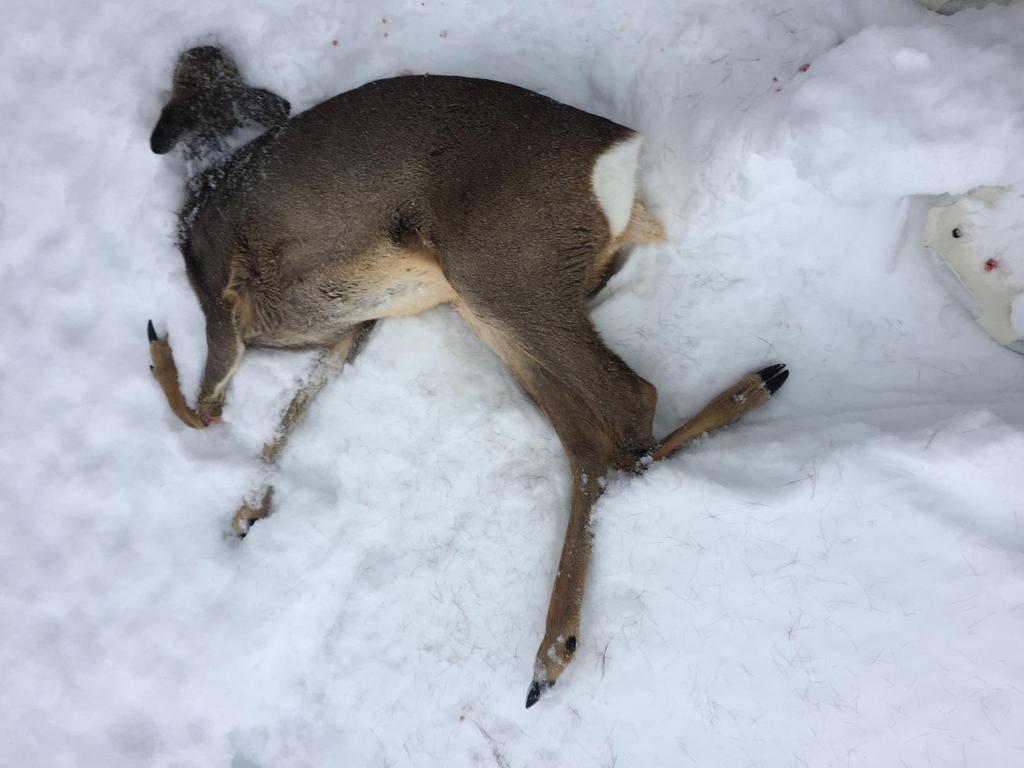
(408, 193)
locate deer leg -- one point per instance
(590, 448)
(600, 409)
(562, 624)
(166, 374)
(224, 350)
(257, 503)
(749, 393)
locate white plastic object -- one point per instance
(973, 235)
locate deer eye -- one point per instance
(570, 643)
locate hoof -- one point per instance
(537, 687)
(774, 376)
(250, 512)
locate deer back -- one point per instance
(308, 225)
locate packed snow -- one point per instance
(835, 581)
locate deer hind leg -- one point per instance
(748, 393)
(600, 410)
(641, 229)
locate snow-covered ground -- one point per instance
(836, 581)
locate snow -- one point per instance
(836, 580)
(895, 112)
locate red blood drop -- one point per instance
(991, 264)
(804, 67)
(334, 43)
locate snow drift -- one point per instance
(836, 581)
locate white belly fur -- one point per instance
(614, 182)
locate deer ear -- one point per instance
(262, 106)
(172, 126)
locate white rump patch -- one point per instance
(614, 182)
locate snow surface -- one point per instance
(837, 581)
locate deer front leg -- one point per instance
(224, 353)
(257, 503)
(166, 374)
(224, 350)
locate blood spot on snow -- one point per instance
(804, 67)
(991, 264)
(444, 33)
(334, 43)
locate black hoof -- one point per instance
(774, 376)
(537, 687)
(151, 332)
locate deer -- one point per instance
(401, 195)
